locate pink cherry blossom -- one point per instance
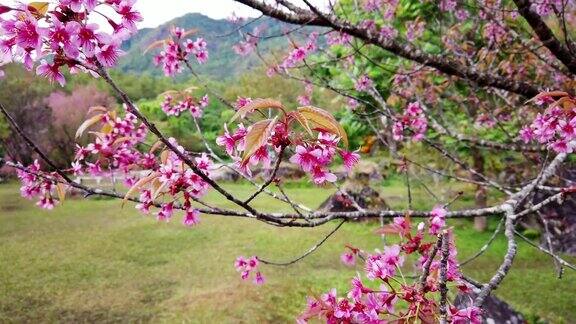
(306, 158)
(109, 54)
(437, 220)
(364, 83)
(191, 217)
(383, 265)
(259, 278)
(348, 259)
(51, 71)
(472, 315)
(350, 159)
(165, 212)
(246, 266)
(129, 16)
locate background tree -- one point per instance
(67, 112)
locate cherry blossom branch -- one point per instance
(508, 207)
(481, 142)
(486, 245)
(506, 264)
(428, 263)
(548, 234)
(546, 35)
(553, 255)
(352, 199)
(105, 193)
(271, 179)
(386, 110)
(406, 51)
(132, 109)
(559, 197)
(294, 206)
(220, 160)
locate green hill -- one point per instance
(221, 35)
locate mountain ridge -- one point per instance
(220, 35)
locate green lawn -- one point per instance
(90, 260)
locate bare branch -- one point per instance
(546, 35)
(406, 51)
(506, 264)
(443, 271)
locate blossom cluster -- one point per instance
(438, 220)
(62, 34)
(314, 154)
(545, 7)
(115, 144)
(248, 45)
(300, 53)
(556, 126)
(249, 265)
(376, 300)
(414, 120)
(178, 50)
(338, 38)
(386, 7)
(235, 143)
(174, 108)
(36, 186)
(364, 83)
(176, 179)
(315, 157)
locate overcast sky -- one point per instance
(157, 12)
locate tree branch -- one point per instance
(546, 35)
(405, 51)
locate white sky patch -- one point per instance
(157, 12)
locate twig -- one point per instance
(553, 255)
(506, 264)
(485, 246)
(271, 179)
(310, 251)
(426, 271)
(443, 270)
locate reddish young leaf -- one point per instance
(324, 121)
(61, 190)
(257, 136)
(155, 146)
(155, 44)
(86, 124)
(388, 229)
(549, 94)
(190, 32)
(101, 109)
(255, 105)
(296, 115)
(138, 185)
(38, 8)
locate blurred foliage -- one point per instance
(355, 128)
(23, 96)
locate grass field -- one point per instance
(90, 260)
